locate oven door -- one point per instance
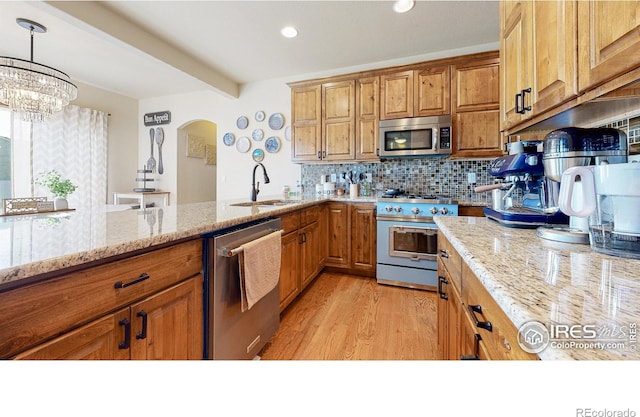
(406, 243)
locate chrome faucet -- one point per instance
(255, 189)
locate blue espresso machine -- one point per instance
(530, 199)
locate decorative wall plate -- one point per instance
(243, 144)
(242, 122)
(276, 121)
(257, 134)
(287, 133)
(259, 116)
(272, 145)
(258, 155)
(228, 139)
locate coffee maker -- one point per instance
(572, 147)
(523, 198)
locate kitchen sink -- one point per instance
(265, 203)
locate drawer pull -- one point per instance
(443, 253)
(142, 277)
(143, 333)
(442, 280)
(127, 334)
(481, 324)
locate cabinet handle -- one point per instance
(377, 151)
(443, 253)
(304, 238)
(518, 99)
(524, 92)
(319, 155)
(127, 334)
(442, 280)
(324, 154)
(476, 348)
(481, 324)
(143, 333)
(142, 277)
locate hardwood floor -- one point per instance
(348, 317)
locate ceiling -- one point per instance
(145, 49)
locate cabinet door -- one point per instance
(478, 134)
(443, 313)
(608, 39)
(306, 115)
(169, 325)
(363, 237)
(433, 91)
(338, 121)
(338, 250)
(555, 54)
(101, 339)
(367, 118)
(323, 233)
(515, 58)
(472, 345)
(310, 253)
(290, 278)
(454, 324)
(396, 95)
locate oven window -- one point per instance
(418, 241)
(407, 140)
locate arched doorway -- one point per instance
(197, 162)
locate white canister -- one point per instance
(353, 190)
(319, 188)
(329, 187)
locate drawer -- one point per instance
(40, 311)
(501, 341)
(309, 215)
(290, 222)
(450, 259)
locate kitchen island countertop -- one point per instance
(557, 284)
(41, 244)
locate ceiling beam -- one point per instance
(103, 21)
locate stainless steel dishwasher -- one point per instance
(229, 332)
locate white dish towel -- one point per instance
(259, 263)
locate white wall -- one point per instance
(123, 135)
(196, 179)
(234, 169)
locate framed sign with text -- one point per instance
(157, 118)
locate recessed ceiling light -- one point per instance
(403, 6)
(289, 32)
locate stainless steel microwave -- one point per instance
(416, 136)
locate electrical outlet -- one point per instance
(334, 178)
(368, 177)
(471, 177)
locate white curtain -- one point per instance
(74, 143)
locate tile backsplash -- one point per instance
(431, 175)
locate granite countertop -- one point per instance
(32, 245)
(556, 284)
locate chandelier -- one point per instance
(35, 90)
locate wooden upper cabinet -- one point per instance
(432, 91)
(306, 104)
(539, 58)
(476, 104)
(609, 39)
(396, 95)
(367, 117)
(338, 120)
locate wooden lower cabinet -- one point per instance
(352, 237)
(310, 253)
(338, 235)
(290, 282)
(167, 325)
(449, 316)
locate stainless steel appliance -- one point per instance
(524, 198)
(609, 201)
(572, 147)
(229, 332)
(416, 136)
(407, 238)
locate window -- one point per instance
(5, 153)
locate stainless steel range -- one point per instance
(407, 238)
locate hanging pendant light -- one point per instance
(35, 90)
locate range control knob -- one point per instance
(388, 209)
(434, 210)
(415, 210)
(444, 210)
(398, 209)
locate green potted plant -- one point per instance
(60, 188)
